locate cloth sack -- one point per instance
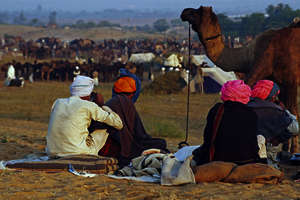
(213, 171)
(175, 172)
(255, 173)
(232, 173)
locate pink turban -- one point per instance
(236, 90)
(265, 89)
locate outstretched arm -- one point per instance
(107, 116)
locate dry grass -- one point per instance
(163, 115)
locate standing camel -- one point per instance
(274, 55)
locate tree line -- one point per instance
(250, 25)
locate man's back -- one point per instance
(235, 140)
(272, 119)
(67, 129)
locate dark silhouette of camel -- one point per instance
(273, 55)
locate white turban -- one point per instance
(82, 86)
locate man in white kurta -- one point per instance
(70, 118)
(10, 75)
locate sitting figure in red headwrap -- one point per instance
(275, 123)
(230, 132)
(133, 139)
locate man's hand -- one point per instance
(89, 141)
(107, 109)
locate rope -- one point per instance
(184, 143)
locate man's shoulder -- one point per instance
(123, 71)
(74, 99)
(262, 104)
(60, 100)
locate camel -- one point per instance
(273, 55)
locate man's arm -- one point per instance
(294, 125)
(107, 116)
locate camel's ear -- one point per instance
(200, 9)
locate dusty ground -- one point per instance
(68, 34)
(23, 127)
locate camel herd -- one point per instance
(56, 59)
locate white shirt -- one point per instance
(11, 72)
(68, 127)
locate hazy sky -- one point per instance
(97, 5)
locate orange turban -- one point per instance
(125, 85)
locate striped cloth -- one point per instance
(89, 163)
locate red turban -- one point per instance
(236, 90)
(125, 85)
(265, 89)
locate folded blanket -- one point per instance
(155, 166)
(89, 163)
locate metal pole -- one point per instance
(188, 96)
(181, 144)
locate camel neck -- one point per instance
(213, 47)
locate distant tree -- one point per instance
(79, 24)
(296, 13)
(52, 18)
(279, 16)
(253, 24)
(34, 22)
(107, 24)
(90, 24)
(161, 25)
(21, 19)
(104, 24)
(146, 28)
(176, 22)
(228, 26)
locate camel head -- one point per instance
(203, 20)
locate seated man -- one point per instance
(70, 118)
(133, 139)
(130, 71)
(275, 123)
(230, 132)
(11, 79)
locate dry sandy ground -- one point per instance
(96, 34)
(19, 138)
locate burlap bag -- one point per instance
(213, 171)
(255, 173)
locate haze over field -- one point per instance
(224, 6)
